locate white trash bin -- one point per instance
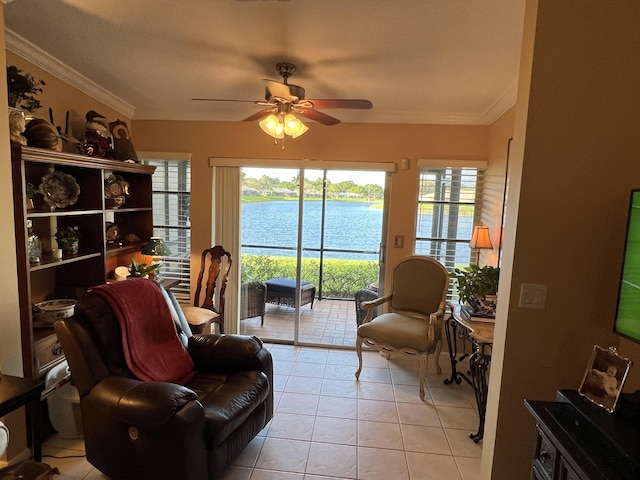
(64, 404)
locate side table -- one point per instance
(16, 392)
(480, 335)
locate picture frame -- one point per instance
(604, 377)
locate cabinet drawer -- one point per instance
(545, 455)
(566, 472)
(47, 352)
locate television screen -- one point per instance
(627, 322)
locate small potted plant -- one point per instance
(23, 89)
(478, 288)
(68, 239)
(31, 195)
(141, 269)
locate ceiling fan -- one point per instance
(284, 98)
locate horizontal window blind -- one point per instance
(171, 185)
(448, 206)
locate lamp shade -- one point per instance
(156, 248)
(480, 237)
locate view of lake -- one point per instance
(352, 226)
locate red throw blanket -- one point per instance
(152, 349)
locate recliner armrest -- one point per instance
(229, 353)
(142, 404)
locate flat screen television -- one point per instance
(627, 321)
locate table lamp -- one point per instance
(157, 249)
(480, 239)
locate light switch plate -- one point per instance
(533, 296)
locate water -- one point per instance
(352, 226)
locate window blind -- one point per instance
(171, 193)
(448, 208)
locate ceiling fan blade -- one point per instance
(317, 116)
(261, 114)
(277, 91)
(341, 103)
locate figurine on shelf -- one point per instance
(98, 141)
(17, 125)
(123, 147)
(94, 122)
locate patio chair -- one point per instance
(413, 325)
(253, 299)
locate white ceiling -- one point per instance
(418, 61)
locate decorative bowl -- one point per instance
(59, 189)
(52, 310)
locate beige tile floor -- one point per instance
(328, 426)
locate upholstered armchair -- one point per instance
(413, 324)
(216, 397)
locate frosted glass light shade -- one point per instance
(271, 126)
(293, 126)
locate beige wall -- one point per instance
(574, 159)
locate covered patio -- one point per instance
(329, 322)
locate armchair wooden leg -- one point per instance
(359, 352)
(437, 356)
(423, 361)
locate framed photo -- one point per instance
(604, 377)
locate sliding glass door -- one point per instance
(313, 239)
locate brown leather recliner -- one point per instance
(136, 429)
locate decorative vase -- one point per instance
(484, 307)
(70, 248)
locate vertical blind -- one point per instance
(448, 207)
(171, 185)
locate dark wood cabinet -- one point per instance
(577, 440)
(96, 259)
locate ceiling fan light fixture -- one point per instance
(293, 126)
(271, 126)
(302, 131)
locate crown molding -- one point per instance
(34, 54)
(503, 103)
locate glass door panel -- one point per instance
(340, 223)
(269, 250)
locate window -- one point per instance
(447, 211)
(171, 185)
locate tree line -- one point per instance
(266, 185)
